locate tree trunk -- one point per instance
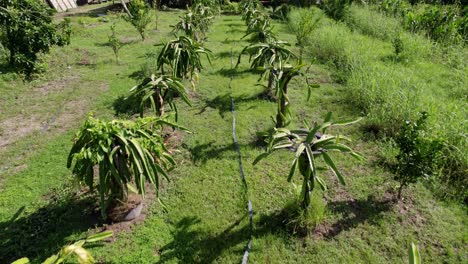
(271, 84)
(158, 99)
(283, 107)
(403, 184)
(125, 7)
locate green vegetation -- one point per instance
(418, 156)
(28, 32)
(158, 91)
(41, 209)
(115, 43)
(139, 15)
(182, 57)
(309, 145)
(76, 249)
(125, 152)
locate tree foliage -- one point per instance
(28, 31)
(418, 155)
(311, 145)
(139, 15)
(126, 153)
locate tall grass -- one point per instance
(389, 91)
(372, 23)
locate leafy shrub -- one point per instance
(441, 23)
(28, 31)
(418, 155)
(139, 16)
(126, 153)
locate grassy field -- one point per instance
(41, 209)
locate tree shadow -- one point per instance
(201, 153)
(44, 232)
(190, 245)
(6, 68)
(356, 212)
(223, 103)
(95, 12)
(126, 105)
(226, 54)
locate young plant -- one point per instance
(139, 15)
(28, 30)
(125, 153)
(158, 91)
(418, 155)
(302, 22)
(115, 43)
(268, 57)
(182, 56)
(311, 145)
(77, 249)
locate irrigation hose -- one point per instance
(245, 258)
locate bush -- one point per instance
(419, 156)
(139, 16)
(28, 31)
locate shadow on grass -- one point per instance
(126, 105)
(192, 246)
(96, 12)
(356, 212)
(44, 232)
(223, 103)
(201, 153)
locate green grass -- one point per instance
(206, 218)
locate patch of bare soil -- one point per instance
(17, 127)
(123, 217)
(65, 117)
(172, 138)
(56, 85)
